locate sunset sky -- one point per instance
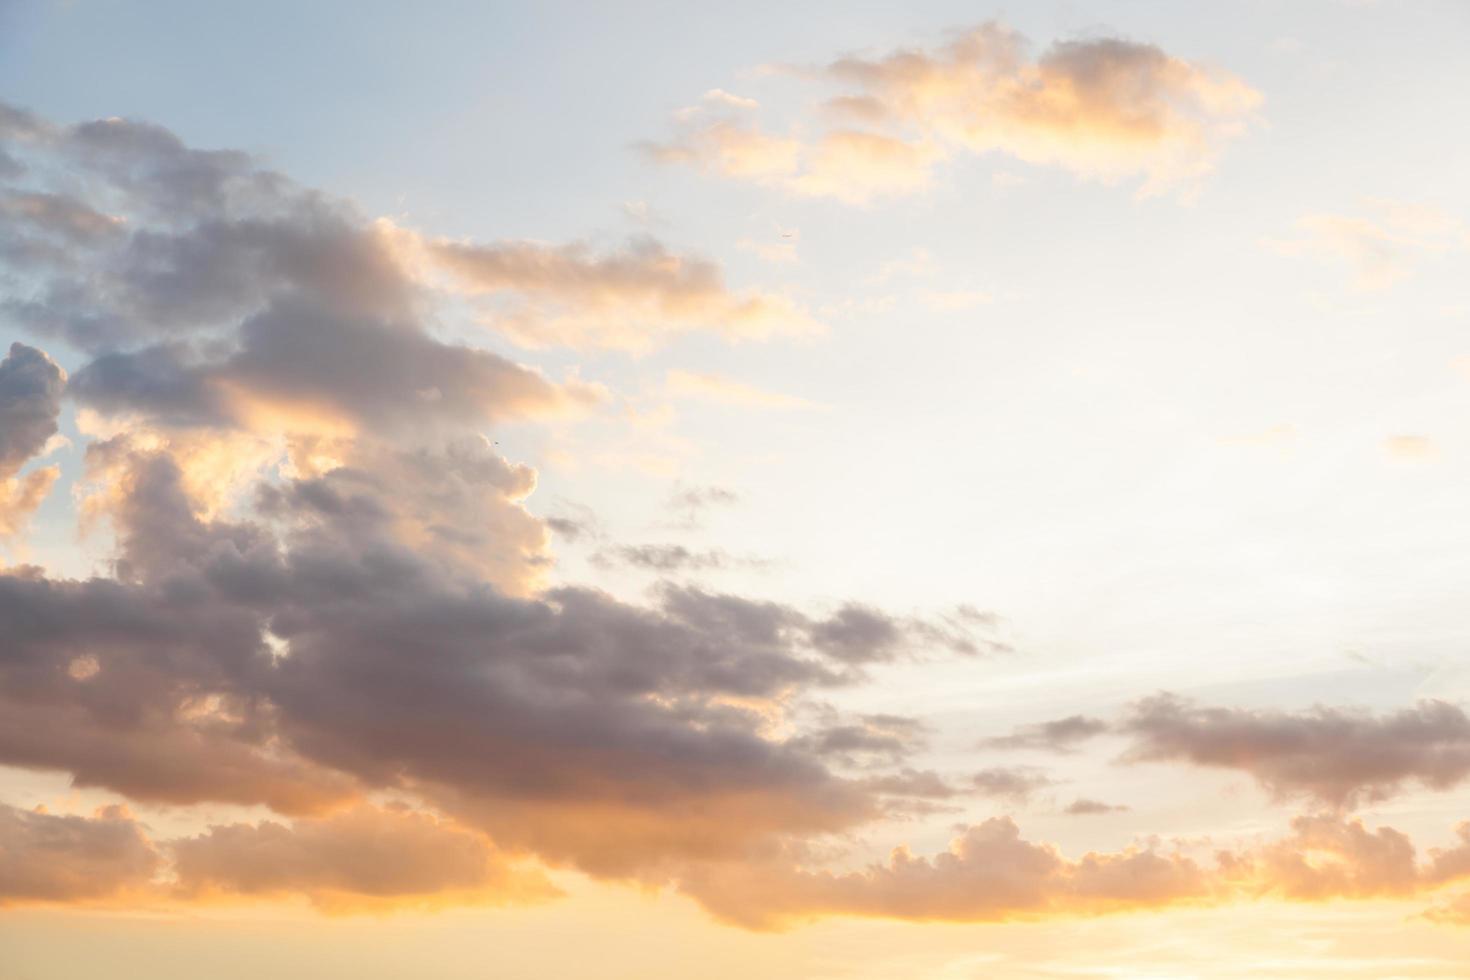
(815, 491)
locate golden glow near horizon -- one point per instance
(904, 494)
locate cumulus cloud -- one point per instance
(1104, 108)
(46, 858)
(325, 589)
(325, 584)
(367, 858)
(31, 387)
(990, 873)
(1336, 756)
(305, 657)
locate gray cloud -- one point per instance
(1083, 807)
(666, 558)
(1015, 784)
(1061, 735)
(304, 658)
(31, 386)
(1336, 756)
(326, 586)
(291, 357)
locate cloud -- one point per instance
(1061, 735)
(308, 656)
(324, 590)
(631, 299)
(1015, 784)
(1325, 857)
(379, 858)
(367, 858)
(52, 858)
(288, 373)
(363, 859)
(989, 874)
(666, 558)
(1083, 807)
(1103, 108)
(324, 583)
(31, 388)
(1410, 448)
(869, 741)
(1381, 245)
(1335, 756)
(21, 496)
(689, 505)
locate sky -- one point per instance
(654, 490)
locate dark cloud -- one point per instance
(326, 586)
(297, 359)
(305, 657)
(31, 386)
(1336, 756)
(1062, 735)
(211, 292)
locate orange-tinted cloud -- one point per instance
(1104, 108)
(365, 859)
(54, 858)
(629, 299)
(991, 874)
